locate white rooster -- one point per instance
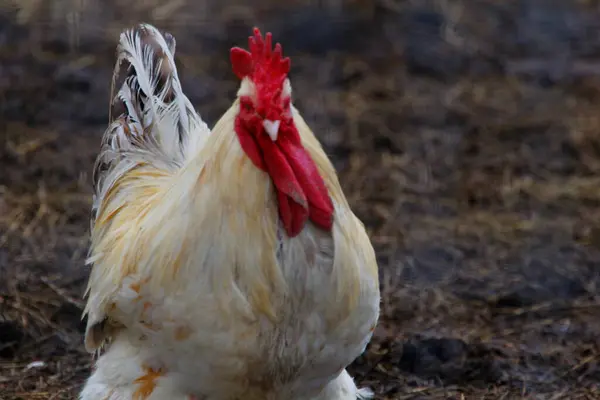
(227, 264)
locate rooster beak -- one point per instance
(272, 128)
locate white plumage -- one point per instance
(196, 292)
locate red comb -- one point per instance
(261, 61)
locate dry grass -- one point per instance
(466, 135)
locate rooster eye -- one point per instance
(246, 105)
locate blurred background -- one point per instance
(466, 136)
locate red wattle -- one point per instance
(249, 145)
(310, 181)
(293, 216)
(301, 191)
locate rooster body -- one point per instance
(198, 289)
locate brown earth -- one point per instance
(466, 137)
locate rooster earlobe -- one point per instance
(241, 62)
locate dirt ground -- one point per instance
(466, 135)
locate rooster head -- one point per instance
(265, 91)
(267, 133)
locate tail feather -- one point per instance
(152, 121)
(151, 92)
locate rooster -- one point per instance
(227, 263)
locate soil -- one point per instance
(466, 136)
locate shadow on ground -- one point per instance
(466, 135)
